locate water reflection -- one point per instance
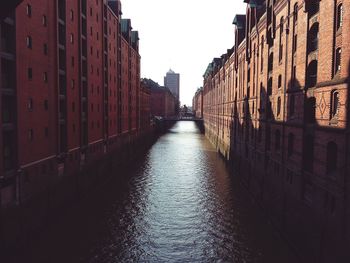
(179, 204)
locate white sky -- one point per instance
(184, 35)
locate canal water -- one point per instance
(179, 203)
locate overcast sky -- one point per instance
(184, 35)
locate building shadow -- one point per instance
(297, 168)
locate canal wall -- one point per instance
(314, 235)
(54, 194)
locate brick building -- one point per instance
(163, 102)
(145, 107)
(276, 105)
(197, 104)
(70, 84)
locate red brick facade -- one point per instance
(163, 102)
(70, 84)
(197, 104)
(276, 105)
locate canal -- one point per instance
(179, 203)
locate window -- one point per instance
(72, 83)
(46, 105)
(290, 144)
(339, 17)
(29, 10)
(71, 15)
(308, 153)
(44, 20)
(45, 77)
(313, 38)
(337, 65)
(30, 104)
(29, 41)
(30, 134)
(294, 77)
(72, 61)
(296, 9)
(268, 138)
(72, 38)
(45, 49)
(269, 87)
(292, 105)
(280, 51)
(279, 81)
(270, 66)
(334, 104)
(332, 156)
(313, 7)
(310, 110)
(30, 73)
(73, 107)
(311, 74)
(277, 140)
(295, 43)
(278, 106)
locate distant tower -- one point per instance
(172, 82)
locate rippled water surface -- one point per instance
(178, 204)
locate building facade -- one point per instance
(70, 87)
(145, 107)
(197, 104)
(162, 101)
(276, 105)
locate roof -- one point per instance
(239, 21)
(126, 25)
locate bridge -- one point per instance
(163, 124)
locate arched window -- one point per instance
(313, 38)
(290, 144)
(311, 74)
(277, 140)
(296, 9)
(337, 65)
(332, 157)
(310, 110)
(278, 106)
(339, 17)
(334, 104)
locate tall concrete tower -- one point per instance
(172, 82)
